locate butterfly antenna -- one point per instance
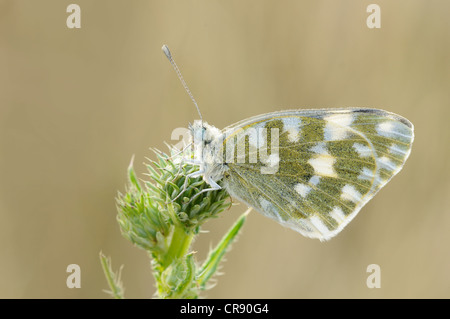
(166, 51)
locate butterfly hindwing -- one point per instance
(313, 170)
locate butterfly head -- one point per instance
(207, 141)
(204, 134)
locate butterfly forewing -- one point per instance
(313, 170)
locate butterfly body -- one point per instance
(310, 170)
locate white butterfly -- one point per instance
(310, 170)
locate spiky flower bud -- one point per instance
(164, 215)
(147, 213)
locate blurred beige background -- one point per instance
(75, 105)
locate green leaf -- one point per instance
(215, 256)
(113, 279)
(132, 176)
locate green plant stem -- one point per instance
(179, 245)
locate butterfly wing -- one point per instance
(313, 170)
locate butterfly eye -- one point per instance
(203, 133)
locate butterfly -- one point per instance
(309, 170)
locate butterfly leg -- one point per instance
(191, 161)
(214, 187)
(180, 151)
(195, 174)
(186, 161)
(186, 180)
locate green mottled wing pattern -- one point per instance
(326, 164)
